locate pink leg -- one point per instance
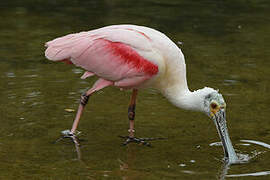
(131, 117)
(99, 84)
(83, 102)
(131, 112)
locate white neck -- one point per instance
(185, 99)
(173, 84)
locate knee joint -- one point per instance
(84, 99)
(131, 112)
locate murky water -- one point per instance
(227, 46)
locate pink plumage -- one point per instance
(109, 53)
(130, 56)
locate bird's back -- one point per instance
(125, 54)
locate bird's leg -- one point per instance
(83, 101)
(99, 84)
(131, 113)
(131, 117)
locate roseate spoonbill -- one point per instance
(136, 57)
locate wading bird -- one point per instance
(136, 57)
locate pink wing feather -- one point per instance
(110, 53)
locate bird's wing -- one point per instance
(112, 53)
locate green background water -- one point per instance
(226, 44)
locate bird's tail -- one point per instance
(63, 48)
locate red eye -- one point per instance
(213, 105)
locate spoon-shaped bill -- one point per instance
(220, 122)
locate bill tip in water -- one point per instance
(218, 114)
(240, 159)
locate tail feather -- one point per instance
(68, 46)
(61, 41)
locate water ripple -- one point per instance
(77, 71)
(10, 74)
(256, 142)
(33, 94)
(262, 173)
(230, 82)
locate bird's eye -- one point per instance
(208, 96)
(213, 105)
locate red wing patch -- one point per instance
(130, 56)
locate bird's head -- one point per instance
(213, 103)
(215, 107)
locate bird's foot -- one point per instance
(68, 134)
(142, 141)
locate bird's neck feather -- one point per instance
(173, 85)
(185, 99)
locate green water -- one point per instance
(226, 45)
